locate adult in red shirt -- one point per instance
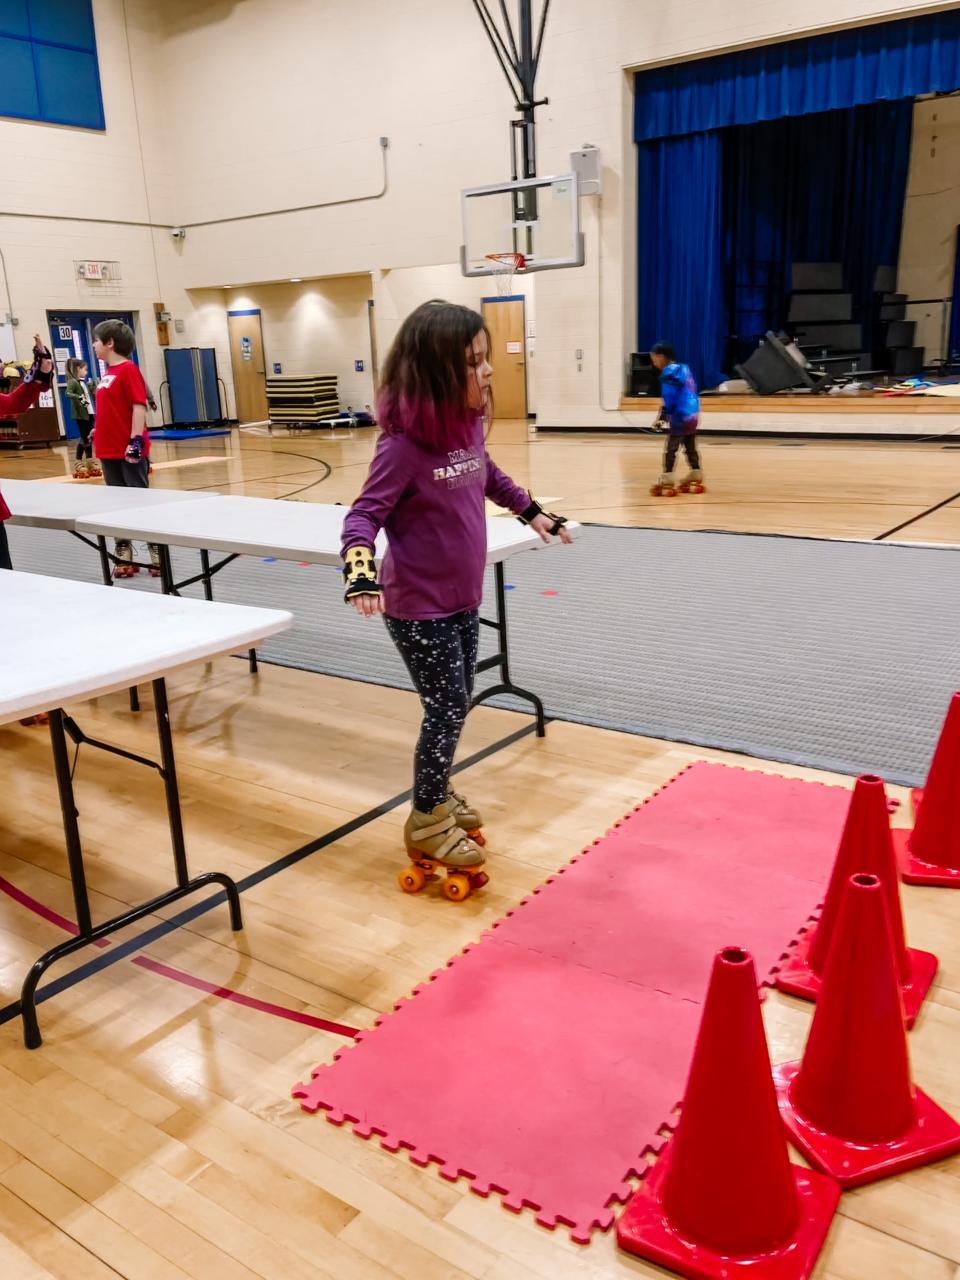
(121, 440)
(22, 398)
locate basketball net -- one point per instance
(503, 267)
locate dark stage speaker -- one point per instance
(777, 365)
(644, 378)
(906, 361)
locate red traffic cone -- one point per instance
(724, 1197)
(930, 853)
(866, 845)
(850, 1105)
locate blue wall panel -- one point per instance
(48, 56)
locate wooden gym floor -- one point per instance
(153, 1135)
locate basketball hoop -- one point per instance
(504, 266)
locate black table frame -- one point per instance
(62, 726)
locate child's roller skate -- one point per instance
(81, 470)
(94, 471)
(434, 840)
(466, 817)
(124, 567)
(693, 483)
(154, 560)
(664, 488)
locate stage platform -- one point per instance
(863, 414)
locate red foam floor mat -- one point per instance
(545, 1060)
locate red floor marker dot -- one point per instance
(549, 593)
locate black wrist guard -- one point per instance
(529, 514)
(33, 374)
(360, 573)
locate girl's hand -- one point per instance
(542, 525)
(368, 606)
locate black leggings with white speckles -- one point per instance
(441, 656)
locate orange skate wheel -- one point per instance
(456, 887)
(411, 879)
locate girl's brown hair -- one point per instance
(424, 388)
(73, 365)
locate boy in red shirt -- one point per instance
(121, 440)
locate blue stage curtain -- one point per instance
(885, 62)
(724, 215)
(820, 188)
(680, 251)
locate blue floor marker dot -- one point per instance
(508, 586)
(269, 559)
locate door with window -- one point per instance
(71, 338)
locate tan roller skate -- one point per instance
(693, 483)
(81, 470)
(665, 487)
(434, 840)
(125, 568)
(466, 816)
(94, 471)
(155, 571)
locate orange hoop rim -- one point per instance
(507, 261)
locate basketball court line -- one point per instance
(160, 930)
(180, 975)
(913, 519)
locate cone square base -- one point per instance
(915, 871)
(643, 1229)
(916, 799)
(798, 979)
(934, 1136)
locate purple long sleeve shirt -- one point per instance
(431, 507)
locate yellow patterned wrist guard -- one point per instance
(360, 573)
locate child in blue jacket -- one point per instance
(680, 414)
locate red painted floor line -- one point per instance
(45, 913)
(237, 997)
(178, 975)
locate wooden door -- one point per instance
(508, 355)
(249, 369)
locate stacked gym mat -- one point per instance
(307, 399)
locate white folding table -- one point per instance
(301, 531)
(40, 504)
(116, 639)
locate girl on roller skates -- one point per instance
(680, 415)
(426, 488)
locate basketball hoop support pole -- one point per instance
(519, 58)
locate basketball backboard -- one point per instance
(537, 217)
